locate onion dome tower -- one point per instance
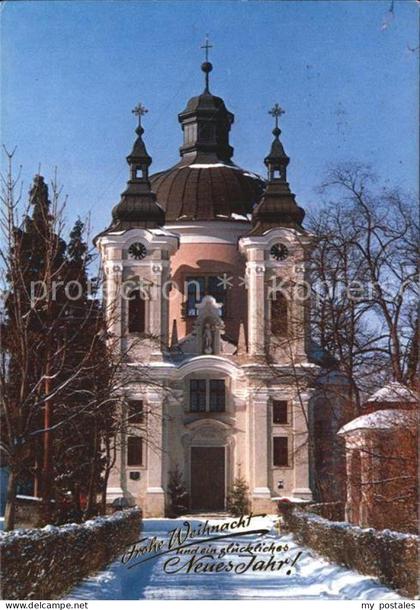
(138, 207)
(277, 207)
(206, 184)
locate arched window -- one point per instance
(279, 315)
(136, 312)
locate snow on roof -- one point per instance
(213, 165)
(291, 499)
(384, 419)
(252, 175)
(161, 231)
(393, 392)
(238, 216)
(23, 497)
(209, 166)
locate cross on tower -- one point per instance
(276, 112)
(207, 46)
(139, 111)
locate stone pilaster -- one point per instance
(301, 487)
(155, 494)
(260, 454)
(256, 307)
(114, 274)
(157, 325)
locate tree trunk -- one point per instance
(10, 512)
(91, 494)
(111, 457)
(47, 479)
(103, 493)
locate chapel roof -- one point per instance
(382, 420)
(393, 392)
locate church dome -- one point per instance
(207, 191)
(206, 184)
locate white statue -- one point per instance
(207, 338)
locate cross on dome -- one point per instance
(139, 111)
(206, 65)
(207, 46)
(276, 112)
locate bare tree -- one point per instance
(363, 323)
(364, 269)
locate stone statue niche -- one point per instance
(208, 327)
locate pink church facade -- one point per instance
(212, 256)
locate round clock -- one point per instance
(137, 251)
(279, 252)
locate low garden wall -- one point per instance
(44, 563)
(390, 556)
(334, 511)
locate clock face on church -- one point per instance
(137, 251)
(279, 252)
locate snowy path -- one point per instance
(310, 578)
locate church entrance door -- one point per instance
(207, 478)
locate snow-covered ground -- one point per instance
(310, 578)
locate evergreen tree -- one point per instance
(79, 459)
(33, 259)
(56, 399)
(177, 493)
(238, 500)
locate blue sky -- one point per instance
(72, 72)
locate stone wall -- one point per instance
(390, 556)
(334, 511)
(29, 512)
(44, 563)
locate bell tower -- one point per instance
(135, 252)
(276, 250)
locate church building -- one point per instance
(205, 266)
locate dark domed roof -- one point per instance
(206, 191)
(206, 101)
(206, 184)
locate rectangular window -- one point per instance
(136, 313)
(217, 395)
(200, 286)
(279, 315)
(280, 412)
(134, 451)
(135, 412)
(198, 395)
(207, 395)
(190, 134)
(280, 451)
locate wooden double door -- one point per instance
(208, 478)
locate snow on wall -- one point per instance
(390, 556)
(43, 563)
